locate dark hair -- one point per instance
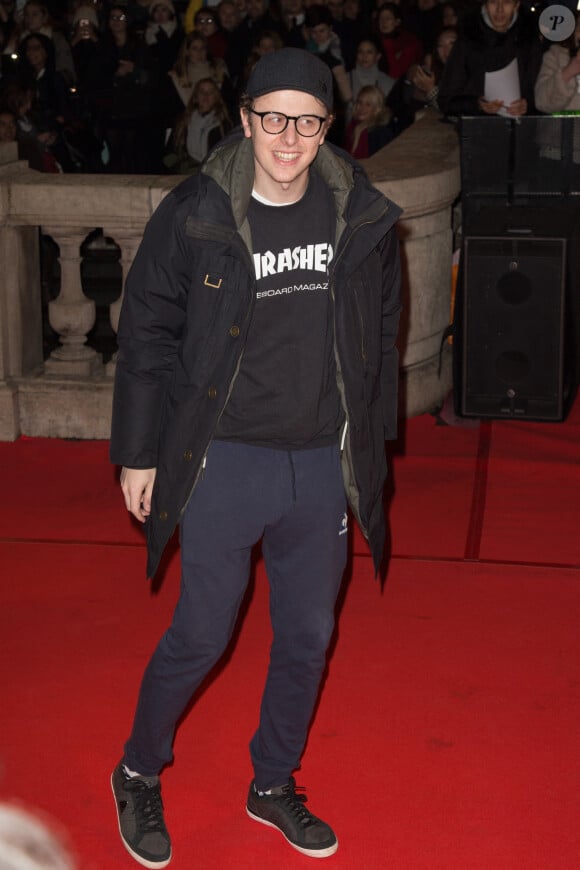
(24, 66)
(317, 14)
(374, 41)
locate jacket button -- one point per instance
(234, 331)
(212, 393)
(187, 455)
(163, 515)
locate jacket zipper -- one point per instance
(203, 462)
(345, 441)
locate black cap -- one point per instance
(291, 69)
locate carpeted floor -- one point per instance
(446, 737)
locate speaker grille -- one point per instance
(513, 325)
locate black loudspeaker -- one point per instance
(513, 345)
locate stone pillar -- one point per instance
(72, 315)
(128, 242)
(420, 172)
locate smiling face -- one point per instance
(281, 162)
(365, 108)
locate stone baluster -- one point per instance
(72, 315)
(128, 242)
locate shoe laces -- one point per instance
(295, 803)
(148, 805)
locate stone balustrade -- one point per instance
(69, 395)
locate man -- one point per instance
(256, 360)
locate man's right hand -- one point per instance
(137, 486)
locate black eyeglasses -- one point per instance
(275, 122)
(207, 20)
(117, 17)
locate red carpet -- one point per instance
(446, 737)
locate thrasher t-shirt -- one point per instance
(285, 394)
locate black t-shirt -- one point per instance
(285, 394)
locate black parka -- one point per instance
(189, 298)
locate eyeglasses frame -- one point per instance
(295, 118)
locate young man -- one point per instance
(256, 384)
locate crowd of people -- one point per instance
(149, 86)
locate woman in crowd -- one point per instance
(425, 78)
(450, 14)
(36, 19)
(34, 144)
(557, 86)
(126, 83)
(194, 63)
(267, 42)
(401, 48)
(52, 109)
(493, 36)
(163, 35)
(202, 125)
(366, 71)
(370, 128)
(207, 23)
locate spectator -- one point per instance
(267, 42)
(370, 128)
(401, 48)
(425, 78)
(258, 17)
(8, 127)
(349, 31)
(163, 35)
(325, 43)
(493, 36)
(34, 145)
(202, 125)
(366, 71)
(36, 19)
(51, 110)
(293, 15)
(8, 24)
(557, 86)
(207, 23)
(126, 85)
(194, 63)
(424, 20)
(450, 16)
(228, 16)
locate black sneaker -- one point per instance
(285, 810)
(140, 814)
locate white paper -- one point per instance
(504, 85)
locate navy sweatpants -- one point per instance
(295, 502)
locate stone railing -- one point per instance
(69, 394)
